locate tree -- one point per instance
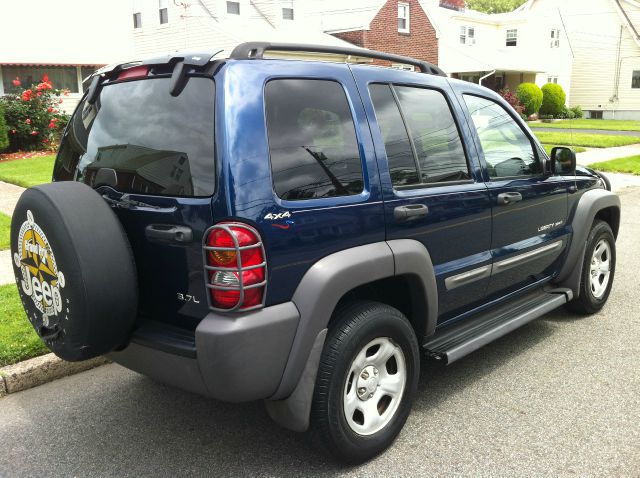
(494, 6)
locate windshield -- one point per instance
(137, 138)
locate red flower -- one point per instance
(39, 93)
(52, 125)
(27, 95)
(60, 100)
(34, 133)
(28, 121)
(45, 78)
(13, 131)
(49, 109)
(45, 140)
(16, 82)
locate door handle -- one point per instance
(410, 213)
(167, 233)
(508, 198)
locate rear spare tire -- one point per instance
(74, 270)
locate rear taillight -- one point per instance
(235, 266)
(135, 72)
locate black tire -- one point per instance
(74, 270)
(353, 328)
(586, 303)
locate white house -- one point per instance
(66, 40)
(162, 25)
(503, 50)
(605, 39)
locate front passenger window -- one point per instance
(507, 150)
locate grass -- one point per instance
(610, 125)
(18, 340)
(630, 164)
(27, 172)
(587, 140)
(549, 147)
(5, 227)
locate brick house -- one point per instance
(400, 27)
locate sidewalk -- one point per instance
(9, 195)
(596, 155)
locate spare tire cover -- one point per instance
(74, 270)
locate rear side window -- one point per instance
(421, 138)
(137, 138)
(312, 140)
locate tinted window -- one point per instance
(312, 140)
(402, 163)
(434, 134)
(137, 138)
(507, 150)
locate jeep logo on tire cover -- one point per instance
(41, 278)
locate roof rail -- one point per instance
(256, 50)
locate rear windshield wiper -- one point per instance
(125, 202)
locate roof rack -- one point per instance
(256, 50)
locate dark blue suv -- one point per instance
(298, 231)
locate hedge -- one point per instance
(530, 96)
(553, 98)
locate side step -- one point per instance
(459, 340)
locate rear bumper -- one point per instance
(238, 357)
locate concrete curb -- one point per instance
(40, 370)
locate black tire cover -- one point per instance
(74, 270)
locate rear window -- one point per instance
(137, 138)
(312, 140)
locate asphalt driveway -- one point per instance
(558, 397)
(588, 131)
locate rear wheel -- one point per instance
(367, 380)
(598, 270)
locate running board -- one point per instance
(457, 341)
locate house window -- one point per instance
(512, 37)
(403, 17)
(62, 77)
(163, 11)
(635, 79)
(137, 20)
(552, 79)
(467, 35)
(287, 13)
(402, 66)
(555, 38)
(233, 8)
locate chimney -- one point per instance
(459, 5)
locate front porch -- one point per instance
(497, 79)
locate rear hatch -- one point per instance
(151, 155)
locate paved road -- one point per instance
(559, 397)
(588, 131)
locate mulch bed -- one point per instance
(24, 155)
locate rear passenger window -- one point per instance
(421, 137)
(312, 140)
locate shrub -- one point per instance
(530, 95)
(553, 98)
(577, 111)
(512, 99)
(32, 116)
(4, 139)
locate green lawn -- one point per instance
(27, 172)
(630, 164)
(549, 147)
(18, 340)
(612, 125)
(588, 140)
(5, 227)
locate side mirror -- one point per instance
(563, 161)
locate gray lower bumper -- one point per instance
(239, 357)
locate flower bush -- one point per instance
(33, 117)
(513, 100)
(4, 137)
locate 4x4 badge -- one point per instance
(277, 216)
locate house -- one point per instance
(400, 27)
(502, 50)
(159, 26)
(605, 39)
(66, 42)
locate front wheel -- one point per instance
(367, 380)
(598, 270)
